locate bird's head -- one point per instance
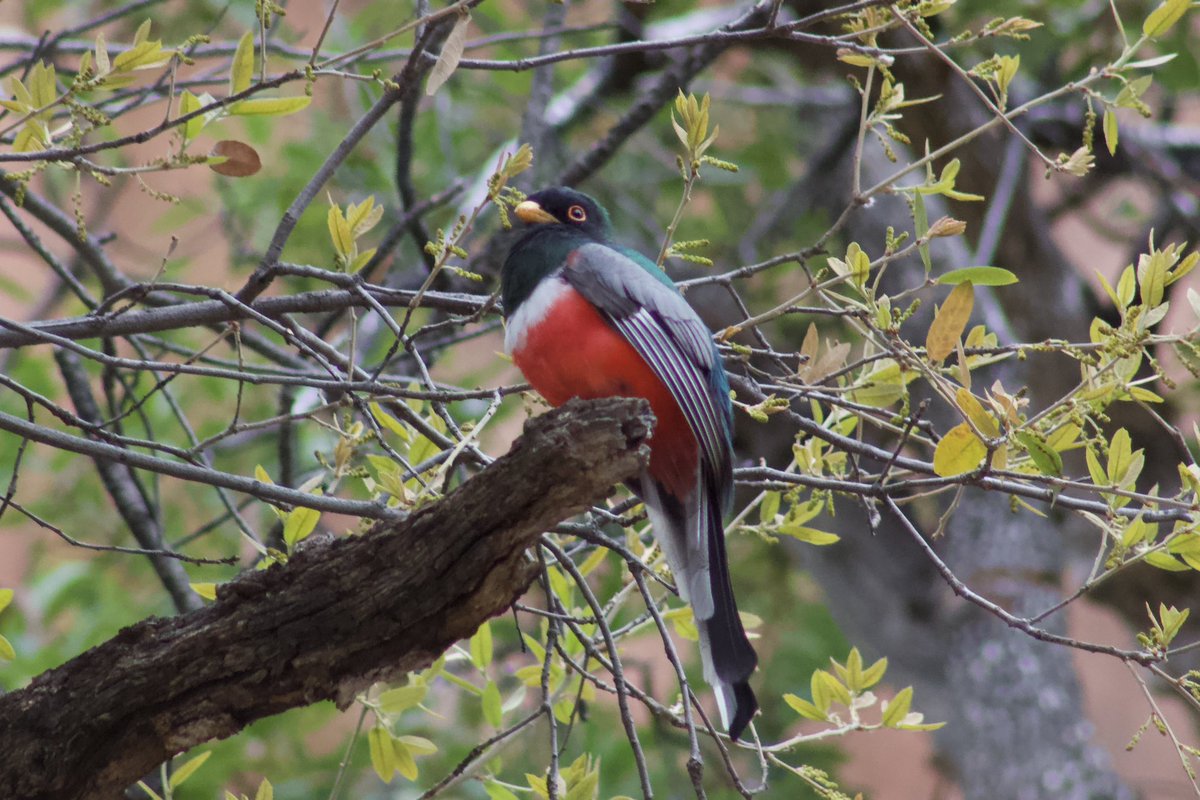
(562, 206)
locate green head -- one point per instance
(558, 220)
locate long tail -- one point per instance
(692, 536)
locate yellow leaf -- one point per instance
(265, 791)
(6, 596)
(6, 650)
(949, 322)
(270, 106)
(959, 451)
(206, 590)
(971, 406)
(242, 69)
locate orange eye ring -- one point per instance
(576, 214)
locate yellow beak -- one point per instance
(533, 214)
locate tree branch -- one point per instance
(340, 615)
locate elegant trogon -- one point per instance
(589, 318)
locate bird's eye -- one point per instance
(576, 214)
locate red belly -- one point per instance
(574, 352)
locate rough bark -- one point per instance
(341, 614)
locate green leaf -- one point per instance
(807, 534)
(398, 700)
(339, 231)
(833, 687)
(406, 765)
(270, 106)
(895, 710)
(419, 745)
(1120, 456)
(1150, 63)
(493, 710)
(265, 791)
(6, 596)
(769, 507)
(383, 756)
(874, 673)
(1110, 130)
(804, 708)
(298, 524)
(187, 770)
(1164, 17)
(1130, 94)
(481, 646)
(142, 33)
(43, 84)
(854, 671)
(6, 650)
(497, 791)
(188, 103)
(144, 55)
(153, 795)
(1096, 469)
(1044, 457)
(242, 71)
(921, 223)
(959, 451)
(1160, 560)
(883, 385)
(363, 216)
(391, 423)
(980, 276)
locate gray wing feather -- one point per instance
(664, 329)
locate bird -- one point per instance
(586, 317)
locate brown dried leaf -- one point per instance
(451, 54)
(240, 159)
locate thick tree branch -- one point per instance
(340, 615)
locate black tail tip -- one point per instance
(745, 706)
